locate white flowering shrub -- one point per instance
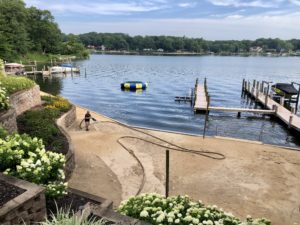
(26, 158)
(158, 210)
(4, 99)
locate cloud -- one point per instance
(234, 16)
(243, 3)
(101, 8)
(252, 27)
(296, 2)
(187, 4)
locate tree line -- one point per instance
(29, 29)
(120, 41)
(24, 30)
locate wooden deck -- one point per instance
(226, 109)
(202, 103)
(290, 119)
(200, 98)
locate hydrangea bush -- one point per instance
(14, 84)
(26, 158)
(158, 210)
(4, 99)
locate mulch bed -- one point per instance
(70, 202)
(8, 192)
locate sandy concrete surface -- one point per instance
(254, 179)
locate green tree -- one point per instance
(13, 35)
(44, 34)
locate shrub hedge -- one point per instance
(181, 210)
(14, 84)
(26, 158)
(41, 123)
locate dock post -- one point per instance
(243, 85)
(275, 108)
(290, 121)
(239, 114)
(167, 171)
(282, 100)
(297, 100)
(249, 86)
(267, 95)
(206, 116)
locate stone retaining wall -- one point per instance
(27, 208)
(24, 100)
(63, 123)
(8, 120)
(20, 102)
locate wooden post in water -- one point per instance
(243, 85)
(249, 86)
(297, 99)
(206, 115)
(167, 171)
(282, 100)
(267, 95)
(257, 91)
(290, 121)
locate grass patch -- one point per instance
(14, 84)
(44, 58)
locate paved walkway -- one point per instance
(254, 179)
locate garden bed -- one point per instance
(8, 192)
(41, 122)
(74, 201)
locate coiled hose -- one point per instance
(172, 146)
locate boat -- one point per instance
(134, 85)
(285, 89)
(14, 68)
(64, 68)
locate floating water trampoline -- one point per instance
(134, 85)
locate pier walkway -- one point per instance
(201, 97)
(259, 93)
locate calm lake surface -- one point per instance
(99, 90)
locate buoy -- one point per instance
(134, 85)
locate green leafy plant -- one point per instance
(67, 218)
(14, 84)
(158, 210)
(41, 123)
(4, 99)
(3, 133)
(57, 102)
(26, 158)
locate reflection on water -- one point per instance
(99, 89)
(53, 85)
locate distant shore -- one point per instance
(155, 53)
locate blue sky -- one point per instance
(210, 19)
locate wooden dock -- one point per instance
(260, 93)
(240, 110)
(202, 103)
(201, 97)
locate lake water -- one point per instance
(99, 90)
